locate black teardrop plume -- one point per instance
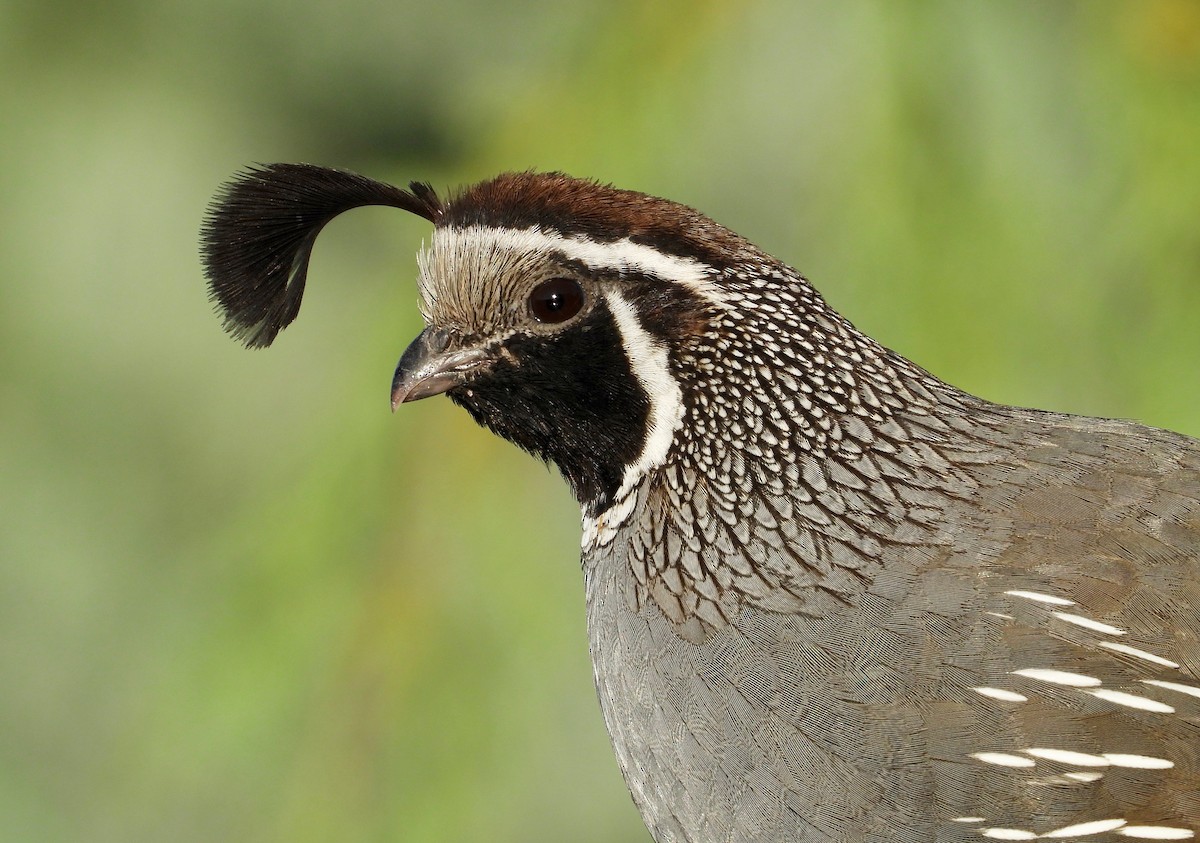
(259, 231)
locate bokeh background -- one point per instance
(240, 600)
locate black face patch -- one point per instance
(569, 398)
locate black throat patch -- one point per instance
(570, 398)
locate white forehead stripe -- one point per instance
(621, 256)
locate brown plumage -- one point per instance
(571, 206)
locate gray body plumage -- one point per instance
(861, 723)
(862, 576)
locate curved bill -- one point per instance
(426, 368)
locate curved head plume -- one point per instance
(259, 232)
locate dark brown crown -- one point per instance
(600, 212)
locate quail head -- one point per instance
(829, 596)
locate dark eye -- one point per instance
(556, 300)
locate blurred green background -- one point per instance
(240, 600)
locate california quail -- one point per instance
(829, 597)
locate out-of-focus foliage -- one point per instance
(241, 601)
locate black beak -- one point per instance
(427, 368)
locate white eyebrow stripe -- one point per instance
(621, 256)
